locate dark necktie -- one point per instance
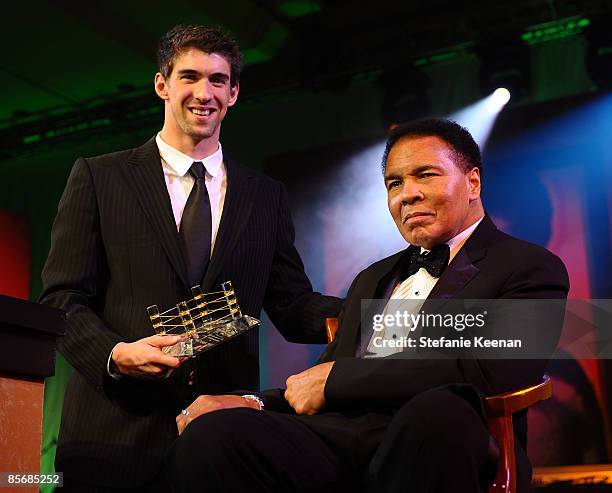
(196, 226)
(434, 261)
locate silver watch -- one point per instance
(251, 397)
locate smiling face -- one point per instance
(197, 94)
(431, 199)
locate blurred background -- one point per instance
(322, 83)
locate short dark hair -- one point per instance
(207, 39)
(465, 150)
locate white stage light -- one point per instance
(501, 96)
(480, 116)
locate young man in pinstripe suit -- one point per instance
(120, 244)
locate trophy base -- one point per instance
(208, 336)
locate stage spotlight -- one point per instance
(504, 64)
(480, 117)
(501, 96)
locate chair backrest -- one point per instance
(499, 421)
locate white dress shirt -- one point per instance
(179, 182)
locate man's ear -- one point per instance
(161, 86)
(474, 183)
(233, 94)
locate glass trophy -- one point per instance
(208, 319)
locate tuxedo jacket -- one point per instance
(363, 394)
(490, 265)
(115, 250)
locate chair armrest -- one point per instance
(512, 402)
(331, 327)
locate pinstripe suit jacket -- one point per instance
(115, 250)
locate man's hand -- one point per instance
(208, 403)
(144, 358)
(305, 390)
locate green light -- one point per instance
(101, 122)
(299, 8)
(30, 139)
(442, 57)
(268, 46)
(454, 53)
(555, 30)
(255, 55)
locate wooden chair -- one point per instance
(500, 409)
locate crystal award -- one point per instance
(207, 319)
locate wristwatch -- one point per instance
(251, 397)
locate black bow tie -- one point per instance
(434, 261)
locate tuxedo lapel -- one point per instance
(236, 211)
(463, 268)
(459, 272)
(144, 174)
(375, 284)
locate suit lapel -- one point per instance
(459, 272)
(144, 174)
(463, 267)
(377, 283)
(236, 211)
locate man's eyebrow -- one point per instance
(187, 71)
(424, 167)
(419, 169)
(392, 177)
(220, 75)
(190, 71)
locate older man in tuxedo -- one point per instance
(389, 423)
(140, 227)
